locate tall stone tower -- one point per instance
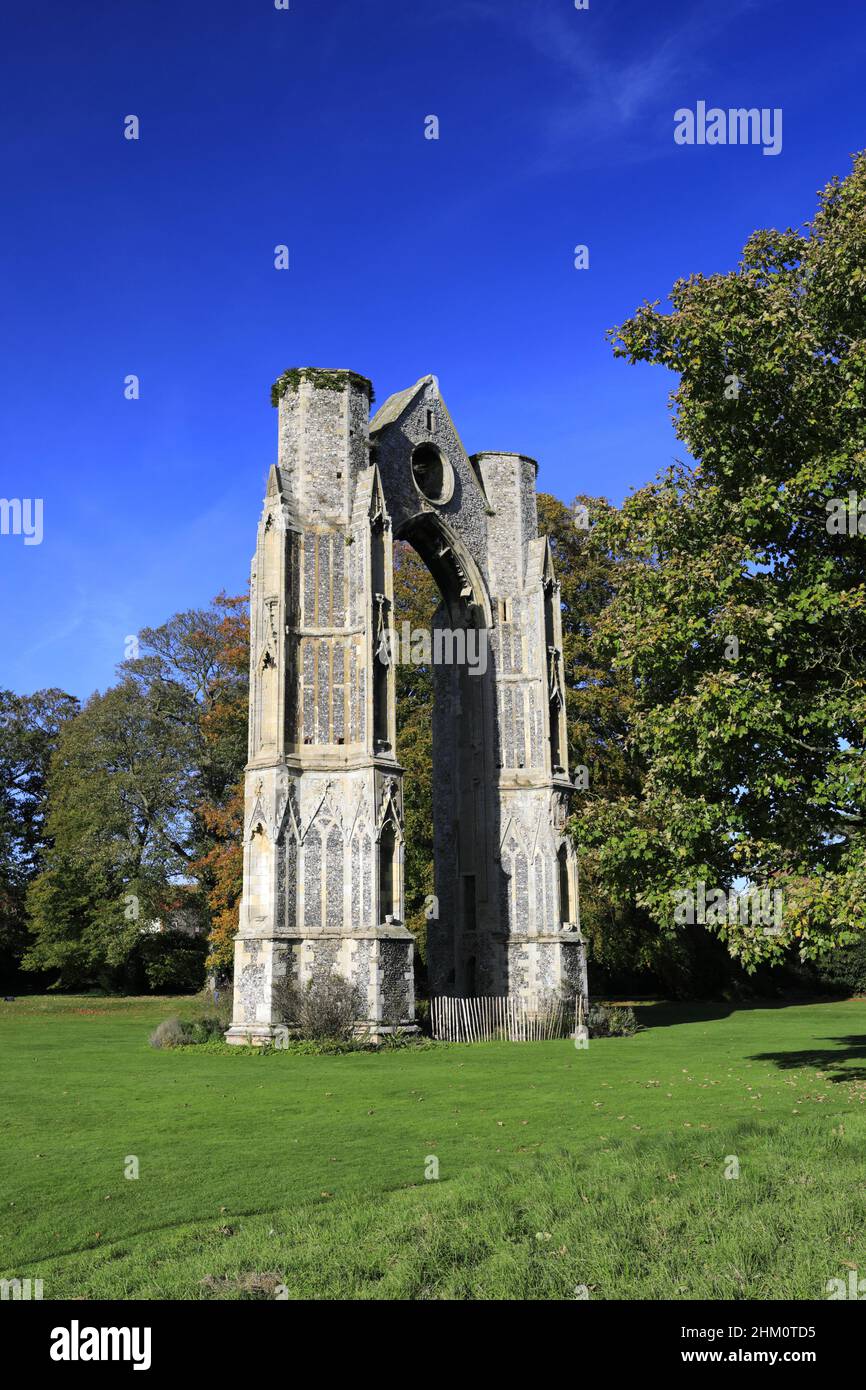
(323, 835)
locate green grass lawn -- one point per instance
(558, 1168)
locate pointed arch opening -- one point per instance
(444, 741)
(567, 886)
(389, 907)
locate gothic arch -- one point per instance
(455, 571)
(327, 885)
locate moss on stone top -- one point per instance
(320, 379)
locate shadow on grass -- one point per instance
(669, 1013)
(835, 1062)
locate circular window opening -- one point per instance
(434, 477)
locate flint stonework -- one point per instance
(323, 827)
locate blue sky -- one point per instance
(408, 255)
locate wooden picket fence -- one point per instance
(511, 1018)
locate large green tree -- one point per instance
(740, 619)
(29, 729)
(121, 794)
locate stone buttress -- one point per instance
(323, 836)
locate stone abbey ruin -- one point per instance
(323, 831)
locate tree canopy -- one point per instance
(740, 618)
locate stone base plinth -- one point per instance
(377, 961)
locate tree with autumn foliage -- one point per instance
(221, 813)
(202, 658)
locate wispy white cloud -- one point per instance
(609, 93)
